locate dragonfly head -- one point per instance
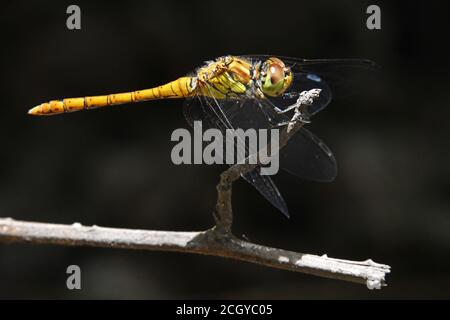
(275, 77)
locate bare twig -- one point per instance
(218, 241)
(207, 242)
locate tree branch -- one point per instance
(207, 242)
(218, 241)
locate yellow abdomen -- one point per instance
(180, 88)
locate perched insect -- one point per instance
(254, 91)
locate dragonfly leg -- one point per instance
(289, 95)
(276, 122)
(298, 115)
(291, 107)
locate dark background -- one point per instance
(390, 201)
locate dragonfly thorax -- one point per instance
(226, 77)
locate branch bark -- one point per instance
(205, 242)
(218, 241)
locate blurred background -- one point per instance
(111, 167)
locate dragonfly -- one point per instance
(248, 91)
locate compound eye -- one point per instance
(276, 72)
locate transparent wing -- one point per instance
(266, 186)
(327, 68)
(217, 114)
(305, 155)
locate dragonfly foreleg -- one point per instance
(300, 112)
(296, 105)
